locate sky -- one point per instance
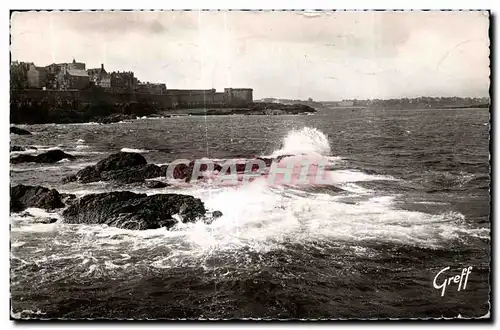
(296, 55)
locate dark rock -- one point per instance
(19, 131)
(216, 214)
(50, 156)
(22, 197)
(155, 184)
(124, 209)
(133, 174)
(120, 161)
(17, 148)
(16, 206)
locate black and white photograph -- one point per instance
(250, 165)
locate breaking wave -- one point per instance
(307, 140)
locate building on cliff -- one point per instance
(99, 77)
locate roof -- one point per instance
(96, 71)
(77, 72)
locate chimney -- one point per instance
(102, 66)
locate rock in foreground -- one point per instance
(22, 197)
(124, 209)
(51, 156)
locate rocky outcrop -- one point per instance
(123, 167)
(124, 209)
(19, 131)
(22, 197)
(259, 108)
(133, 174)
(50, 156)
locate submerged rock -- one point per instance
(50, 156)
(22, 197)
(19, 131)
(128, 210)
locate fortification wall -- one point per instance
(74, 99)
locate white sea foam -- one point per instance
(134, 150)
(82, 146)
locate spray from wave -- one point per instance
(309, 141)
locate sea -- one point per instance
(409, 196)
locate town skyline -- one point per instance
(266, 98)
(341, 55)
